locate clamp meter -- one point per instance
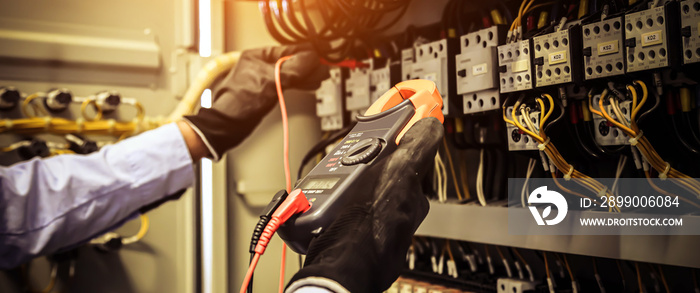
(375, 136)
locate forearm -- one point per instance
(194, 143)
(50, 204)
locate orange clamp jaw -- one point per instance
(422, 93)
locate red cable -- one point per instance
(295, 203)
(249, 274)
(287, 173)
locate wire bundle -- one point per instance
(342, 25)
(638, 140)
(548, 147)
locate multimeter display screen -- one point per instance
(321, 183)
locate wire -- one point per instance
(530, 168)
(249, 273)
(141, 233)
(441, 178)
(639, 278)
(622, 275)
(643, 144)
(663, 278)
(571, 274)
(480, 179)
(452, 168)
(287, 172)
(98, 110)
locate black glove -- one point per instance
(365, 247)
(248, 93)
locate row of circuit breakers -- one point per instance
(472, 72)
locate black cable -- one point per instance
(690, 126)
(681, 139)
(296, 37)
(264, 7)
(656, 105)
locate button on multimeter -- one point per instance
(362, 152)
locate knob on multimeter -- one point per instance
(330, 185)
(362, 152)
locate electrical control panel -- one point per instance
(476, 68)
(517, 139)
(357, 89)
(555, 55)
(652, 38)
(690, 31)
(329, 102)
(602, 49)
(515, 67)
(606, 133)
(434, 61)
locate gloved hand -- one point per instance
(247, 94)
(365, 247)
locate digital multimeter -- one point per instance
(375, 136)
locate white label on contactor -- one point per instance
(652, 38)
(608, 48)
(480, 69)
(557, 57)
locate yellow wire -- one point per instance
(613, 121)
(145, 223)
(666, 193)
(463, 177)
(568, 268)
(98, 110)
(28, 102)
(452, 168)
(639, 278)
(515, 120)
(449, 250)
(663, 278)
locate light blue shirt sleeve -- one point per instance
(50, 204)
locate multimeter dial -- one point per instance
(362, 152)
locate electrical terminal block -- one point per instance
(606, 133)
(517, 139)
(515, 67)
(602, 49)
(556, 57)
(652, 38)
(329, 102)
(476, 67)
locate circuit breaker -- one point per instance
(381, 79)
(514, 67)
(606, 133)
(357, 89)
(690, 31)
(602, 49)
(434, 61)
(476, 67)
(329, 101)
(652, 38)
(555, 57)
(517, 139)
